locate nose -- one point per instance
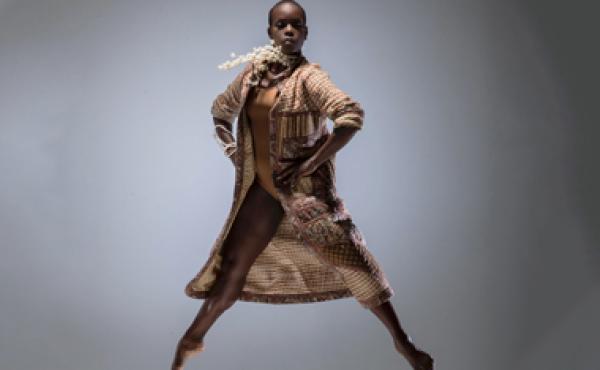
(289, 30)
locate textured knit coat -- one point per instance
(317, 252)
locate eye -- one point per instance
(296, 24)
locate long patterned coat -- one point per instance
(317, 252)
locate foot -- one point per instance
(186, 347)
(421, 361)
(417, 358)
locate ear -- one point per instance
(269, 32)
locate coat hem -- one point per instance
(280, 298)
(374, 301)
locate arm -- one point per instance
(340, 136)
(346, 113)
(227, 104)
(224, 130)
(226, 107)
(334, 102)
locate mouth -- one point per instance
(288, 41)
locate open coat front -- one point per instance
(317, 253)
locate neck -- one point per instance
(292, 59)
(294, 54)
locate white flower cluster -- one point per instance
(260, 56)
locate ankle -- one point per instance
(193, 337)
(405, 345)
(191, 341)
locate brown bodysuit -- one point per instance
(260, 102)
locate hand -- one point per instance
(291, 174)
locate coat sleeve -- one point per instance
(227, 104)
(335, 103)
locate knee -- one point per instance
(233, 270)
(222, 302)
(232, 282)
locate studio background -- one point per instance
(478, 191)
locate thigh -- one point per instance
(255, 224)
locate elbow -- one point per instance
(354, 124)
(222, 111)
(352, 118)
(348, 114)
(346, 132)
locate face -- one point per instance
(287, 28)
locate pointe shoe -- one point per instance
(186, 348)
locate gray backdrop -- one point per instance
(478, 189)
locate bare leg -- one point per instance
(255, 224)
(418, 359)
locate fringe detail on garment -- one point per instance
(296, 125)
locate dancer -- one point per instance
(288, 237)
